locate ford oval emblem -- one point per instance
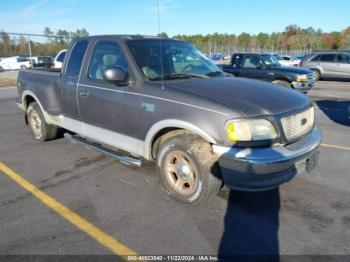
(303, 121)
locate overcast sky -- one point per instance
(177, 16)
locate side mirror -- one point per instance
(117, 75)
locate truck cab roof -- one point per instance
(122, 37)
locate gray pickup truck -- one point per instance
(162, 100)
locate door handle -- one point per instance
(84, 93)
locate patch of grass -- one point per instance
(7, 82)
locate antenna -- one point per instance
(160, 48)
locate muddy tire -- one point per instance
(36, 121)
(282, 83)
(188, 169)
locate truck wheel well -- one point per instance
(28, 100)
(164, 135)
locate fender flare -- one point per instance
(30, 93)
(172, 123)
(53, 120)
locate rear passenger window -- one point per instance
(76, 58)
(106, 54)
(327, 58)
(236, 61)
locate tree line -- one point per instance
(292, 38)
(51, 42)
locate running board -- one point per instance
(131, 161)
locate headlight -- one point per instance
(250, 130)
(302, 78)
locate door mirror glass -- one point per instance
(115, 74)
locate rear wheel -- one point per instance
(23, 67)
(283, 83)
(188, 169)
(40, 129)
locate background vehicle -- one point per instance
(128, 92)
(300, 57)
(331, 64)
(42, 61)
(58, 61)
(280, 60)
(293, 61)
(15, 63)
(266, 67)
(216, 57)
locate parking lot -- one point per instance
(113, 208)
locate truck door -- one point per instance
(105, 105)
(253, 67)
(69, 80)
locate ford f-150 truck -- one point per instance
(267, 68)
(201, 126)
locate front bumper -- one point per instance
(256, 169)
(303, 86)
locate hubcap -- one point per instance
(35, 123)
(180, 173)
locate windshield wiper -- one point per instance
(214, 73)
(191, 75)
(178, 76)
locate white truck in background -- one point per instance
(15, 63)
(58, 61)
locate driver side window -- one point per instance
(105, 55)
(252, 61)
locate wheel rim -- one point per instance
(317, 75)
(181, 173)
(35, 123)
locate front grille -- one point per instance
(297, 125)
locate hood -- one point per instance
(246, 97)
(291, 69)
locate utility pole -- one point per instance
(29, 47)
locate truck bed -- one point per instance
(44, 84)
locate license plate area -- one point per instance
(312, 161)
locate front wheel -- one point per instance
(317, 75)
(189, 170)
(40, 129)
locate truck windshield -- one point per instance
(178, 60)
(270, 59)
